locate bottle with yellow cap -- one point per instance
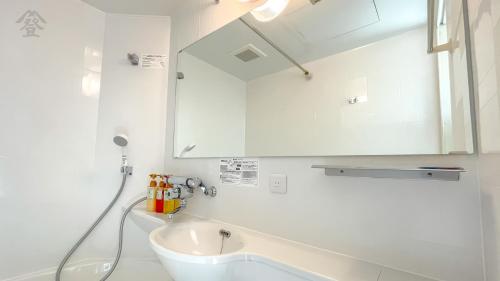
(169, 203)
(174, 195)
(151, 196)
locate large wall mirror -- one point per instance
(329, 77)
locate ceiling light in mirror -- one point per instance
(269, 10)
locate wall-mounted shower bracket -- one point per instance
(129, 170)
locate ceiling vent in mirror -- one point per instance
(249, 53)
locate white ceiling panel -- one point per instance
(136, 7)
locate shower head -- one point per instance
(121, 140)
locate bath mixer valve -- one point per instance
(184, 189)
(190, 184)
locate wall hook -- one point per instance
(133, 58)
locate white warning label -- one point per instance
(152, 61)
(239, 171)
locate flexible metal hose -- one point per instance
(99, 219)
(120, 238)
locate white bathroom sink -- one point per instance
(190, 250)
(196, 251)
(197, 239)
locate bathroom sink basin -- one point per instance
(193, 249)
(201, 239)
(197, 250)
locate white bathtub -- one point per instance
(92, 270)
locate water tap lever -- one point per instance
(193, 183)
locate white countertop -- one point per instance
(280, 252)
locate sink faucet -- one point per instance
(190, 184)
(184, 188)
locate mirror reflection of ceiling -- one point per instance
(307, 32)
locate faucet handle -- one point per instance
(209, 191)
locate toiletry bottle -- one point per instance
(177, 200)
(151, 196)
(168, 196)
(159, 196)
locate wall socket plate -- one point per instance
(277, 184)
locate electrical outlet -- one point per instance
(277, 184)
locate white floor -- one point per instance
(127, 270)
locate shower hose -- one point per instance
(99, 219)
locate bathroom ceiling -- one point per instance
(308, 32)
(135, 7)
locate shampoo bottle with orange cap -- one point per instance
(151, 196)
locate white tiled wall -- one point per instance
(58, 165)
(132, 101)
(48, 130)
(490, 201)
(485, 24)
(485, 21)
(430, 228)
